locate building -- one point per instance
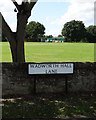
(55, 39)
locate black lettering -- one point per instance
(50, 65)
(43, 65)
(54, 71)
(31, 65)
(55, 65)
(66, 65)
(51, 71)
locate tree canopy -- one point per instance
(74, 31)
(34, 31)
(91, 33)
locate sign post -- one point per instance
(34, 88)
(50, 68)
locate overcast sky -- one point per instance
(53, 14)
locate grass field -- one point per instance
(52, 52)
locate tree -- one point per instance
(60, 36)
(16, 39)
(49, 36)
(91, 34)
(34, 31)
(4, 39)
(74, 31)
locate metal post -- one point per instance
(66, 85)
(34, 88)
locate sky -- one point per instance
(53, 14)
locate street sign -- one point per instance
(51, 68)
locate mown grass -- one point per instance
(50, 106)
(52, 52)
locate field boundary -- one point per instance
(16, 80)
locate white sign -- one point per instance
(51, 68)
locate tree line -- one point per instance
(73, 31)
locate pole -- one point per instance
(66, 85)
(34, 88)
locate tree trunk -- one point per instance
(17, 49)
(20, 36)
(16, 40)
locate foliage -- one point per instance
(91, 34)
(74, 31)
(60, 36)
(49, 36)
(34, 31)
